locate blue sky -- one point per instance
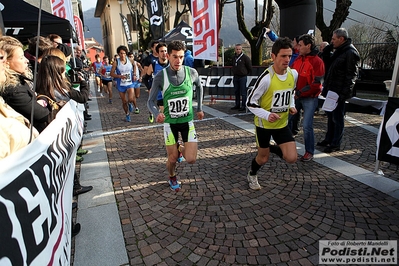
(87, 4)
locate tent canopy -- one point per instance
(182, 32)
(21, 21)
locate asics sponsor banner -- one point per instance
(351, 252)
(388, 137)
(205, 28)
(63, 9)
(126, 28)
(219, 80)
(155, 14)
(36, 194)
(79, 31)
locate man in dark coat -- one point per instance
(341, 73)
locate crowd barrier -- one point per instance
(218, 81)
(36, 186)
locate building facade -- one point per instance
(112, 31)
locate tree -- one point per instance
(340, 14)
(260, 22)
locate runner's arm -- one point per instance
(254, 96)
(152, 98)
(199, 90)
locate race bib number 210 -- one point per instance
(281, 101)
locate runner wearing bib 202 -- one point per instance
(176, 82)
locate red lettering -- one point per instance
(60, 13)
(199, 22)
(61, 3)
(197, 12)
(204, 43)
(59, 9)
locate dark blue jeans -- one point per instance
(240, 89)
(308, 105)
(335, 124)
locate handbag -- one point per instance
(53, 106)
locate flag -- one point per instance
(388, 137)
(79, 31)
(126, 27)
(63, 9)
(155, 14)
(205, 28)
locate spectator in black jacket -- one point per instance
(242, 67)
(341, 73)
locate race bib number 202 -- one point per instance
(178, 107)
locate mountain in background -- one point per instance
(383, 9)
(94, 25)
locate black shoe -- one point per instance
(81, 189)
(235, 108)
(75, 229)
(330, 149)
(323, 143)
(89, 99)
(87, 118)
(87, 115)
(74, 205)
(242, 109)
(276, 150)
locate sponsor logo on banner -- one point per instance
(219, 80)
(36, 194)
(13, 31)
(205, 26)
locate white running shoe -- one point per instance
(253, 181)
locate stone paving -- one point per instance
(215, 219)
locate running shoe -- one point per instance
(151, 118)
(130, 107)
(253, 181)
(174, 184)
(110, 101)
(180, 158)
(127, 118)
(137, 111)
(81, 152)
(307, 157)
(101, 95)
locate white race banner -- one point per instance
(63, 9)
(36, 194)
(205, 28)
